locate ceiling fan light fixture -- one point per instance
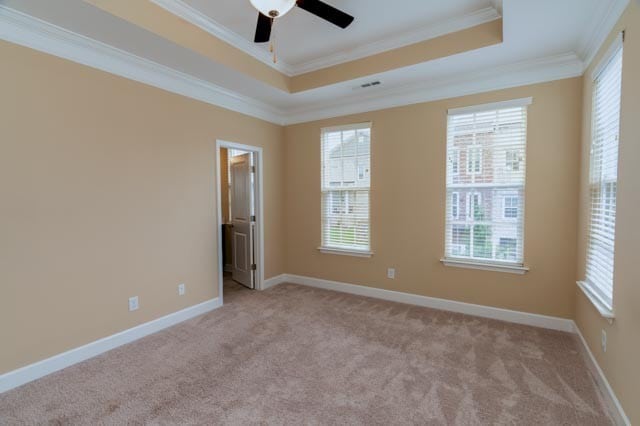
(273, 8)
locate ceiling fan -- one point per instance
(272, 9)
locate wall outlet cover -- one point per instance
(133, 303)
(391, 273)
(181, 289)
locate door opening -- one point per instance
(240, 234)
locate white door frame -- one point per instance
(259, 209)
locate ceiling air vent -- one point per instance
(367, 85)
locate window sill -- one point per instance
(495, 267)
(345, 252)
(602, 308)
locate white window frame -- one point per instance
(594, 292)
(340, 250)
(474, 263)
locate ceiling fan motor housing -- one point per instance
(273, 8)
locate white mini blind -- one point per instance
(603, 177)
(486, 152)
(346, 178)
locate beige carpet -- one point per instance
(298, 355)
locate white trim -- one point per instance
(619, 414)
(535, 320)
(259, 197)
(427, 32)
(274, 281)
(208, 24)
(612, 50)
(34, 33)
(604, 310)
(50, 365)
(518, 74)
(513, 103)
(356, 126)
(484, 266)
(26, 30)
(604, 20)
(345, 251)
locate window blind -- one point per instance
(486, 151)
(346, 177)
(603, 178)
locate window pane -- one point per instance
(346, 172)
(603, 177)
(485, 197)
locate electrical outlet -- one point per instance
(391, 273)
(133, 303)
(604, 341)
(181, 289)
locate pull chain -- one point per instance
(272, 48)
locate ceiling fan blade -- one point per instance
(326, 12)
(263, 29)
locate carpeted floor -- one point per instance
(298, 355)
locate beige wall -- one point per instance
(107, 190)
(621, 361)
(407, 204)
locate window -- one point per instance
(511, 207)
(474, 208)
(454, 158)
(455, 205)
(460, 240)
(491, 227)
(474, 160)
(507, 249)
(603, 179)
(345, 188)
(514, 159)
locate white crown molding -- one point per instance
(206, 23)
(34, 33)
(39, 369)
(26, 30)
(602, 23)
(535, 320)
(199, 19)
(460, 23)
(496, 78)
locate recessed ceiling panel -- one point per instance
(300, 36)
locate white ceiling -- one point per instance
(543, 40)
(301, 37)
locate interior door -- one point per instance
(242, 220)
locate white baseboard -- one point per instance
(543, 321)
(618, 412)
(47, 366)
(270, 282)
